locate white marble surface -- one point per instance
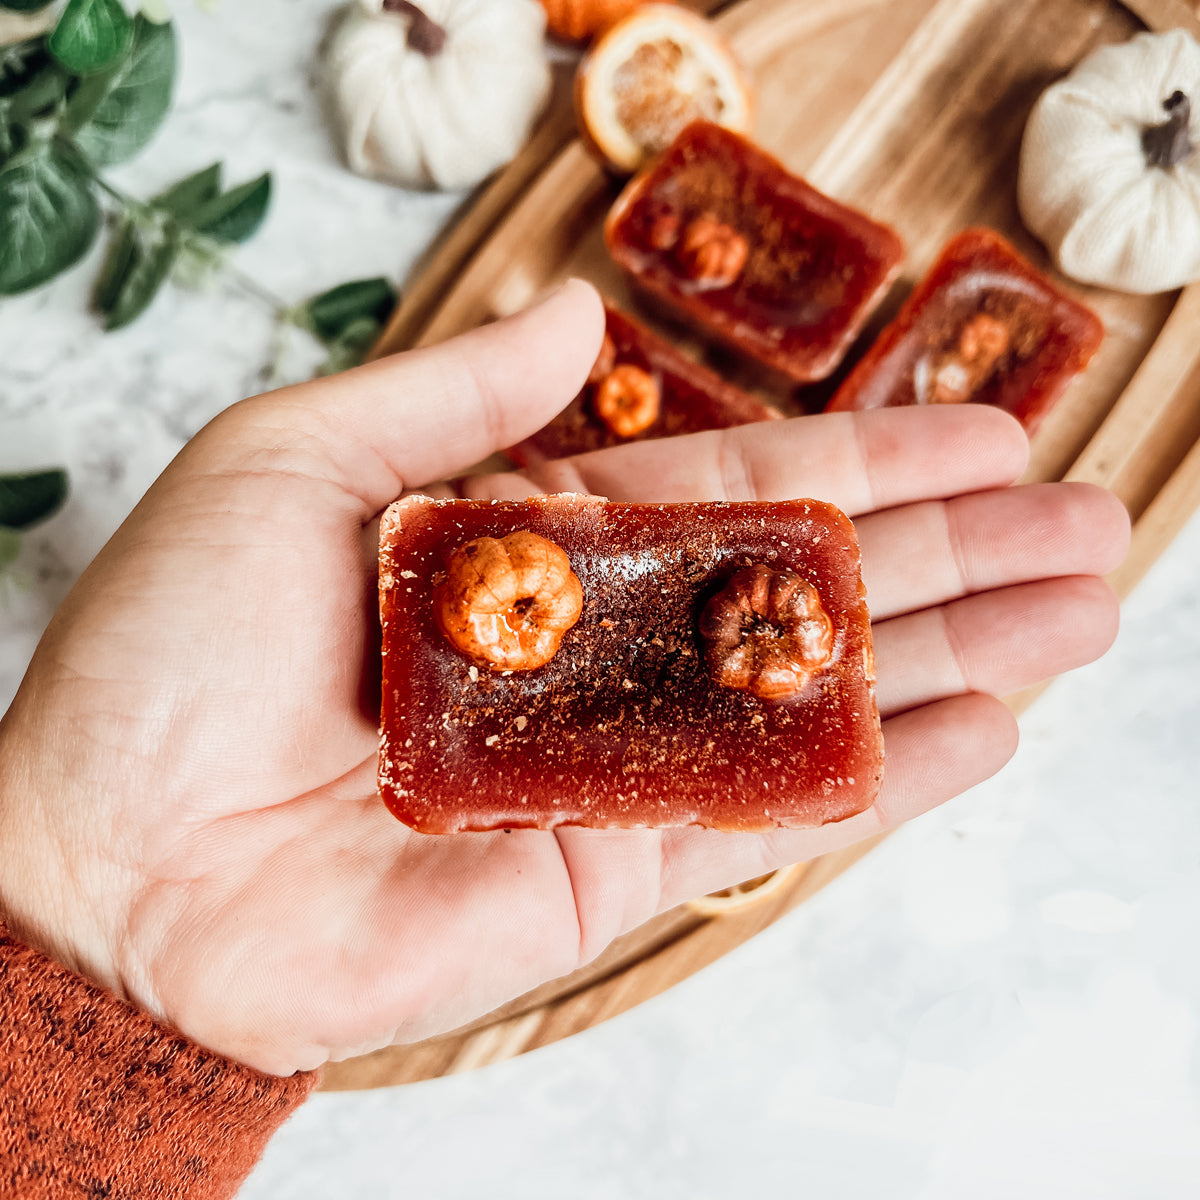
(1002, 1001)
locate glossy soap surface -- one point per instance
(1050, 337)
(815, 269)
(623, 727)
(693, 398)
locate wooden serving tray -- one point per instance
(912, 110)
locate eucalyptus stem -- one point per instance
(251, 286)
(66, 110)
(133, 205)
(126, 201)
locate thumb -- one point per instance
(413, 418)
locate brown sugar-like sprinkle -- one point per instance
(814, 269)
(983, 325)
(692, 397)
(625, 725)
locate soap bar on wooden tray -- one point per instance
(983, 325)
(640, 387)
(700, 664)
(722, 232)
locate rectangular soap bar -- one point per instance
(691, 398)
(720, 230)
(983, 325)
(625, 725)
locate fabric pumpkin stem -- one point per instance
(425, 35)
(1171, 142)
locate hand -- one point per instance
(188, 811)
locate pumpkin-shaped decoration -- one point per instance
(438, 93)
(1110, 175)
(578, 20)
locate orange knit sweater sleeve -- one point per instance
(99, 1101)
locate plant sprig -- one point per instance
(26, 500)
(90, 93)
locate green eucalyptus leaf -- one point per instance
(24, 5)
(48, 217)
(91, 36)
(40, 98)
(32, 84)
(10, 547)
(117, 264)
(20, 63)
(115, 114)
(358, 336)
(152, 269)
(185, 197)
(352, 346)
(30, 497)
(237, 214)
(139, 263)
(331, 313)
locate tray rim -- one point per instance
(511, 1031)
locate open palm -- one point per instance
(188, 811)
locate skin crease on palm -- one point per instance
(188, 811)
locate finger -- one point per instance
(427, 414)
(926, 554)
(996, 642)
(509, 485)
(859, 461)
(933, 754)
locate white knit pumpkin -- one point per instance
(446, 118)
(1086, 185)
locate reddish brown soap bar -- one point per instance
(624, 726)
(983, 325)
(813, 269)
(692, 398)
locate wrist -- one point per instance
(175, 1121)
(44, 879)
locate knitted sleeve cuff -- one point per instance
(98, 1100)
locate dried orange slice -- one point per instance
(742, 895)
(649, 75)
